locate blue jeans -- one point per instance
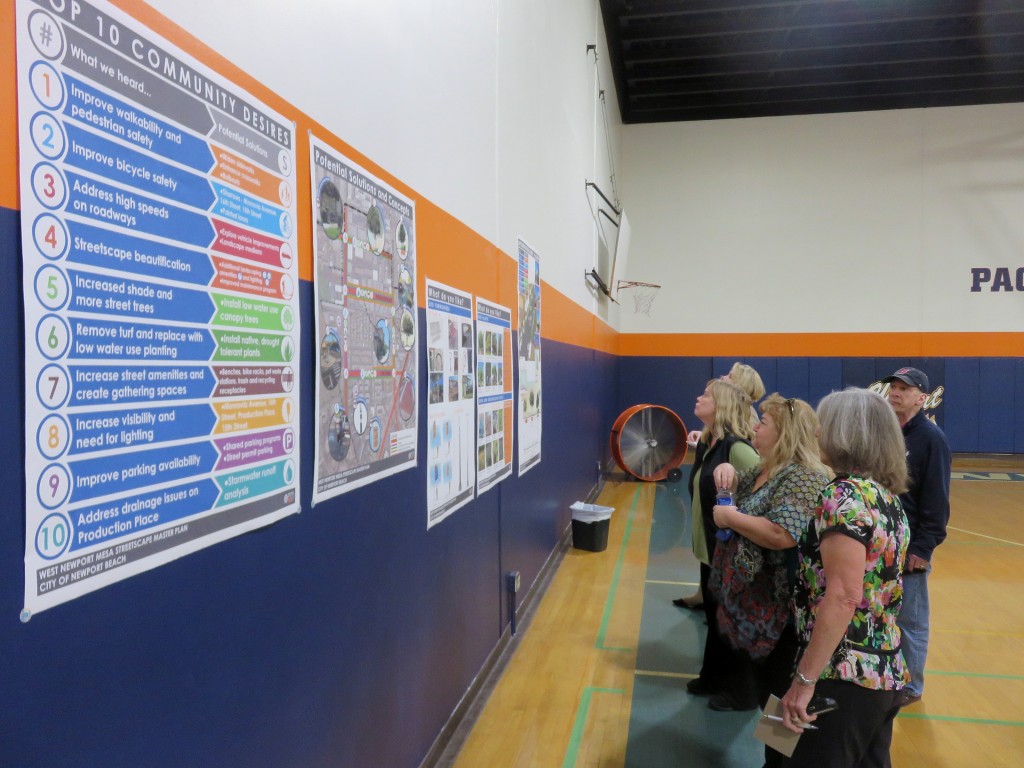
(913, 624)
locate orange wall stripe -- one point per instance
(8, 107)
(822, 344)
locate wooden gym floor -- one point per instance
(597, 678)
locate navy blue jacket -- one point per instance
(927, 501)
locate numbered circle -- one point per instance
(49, 186)
(52, 289)
(50, 236)
(53, 387)
(46, 35)
(47, 86)
(53, 536)
(47, 135)
(54, 486)
(53, 436)
(53, 337)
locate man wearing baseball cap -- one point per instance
(927, 506)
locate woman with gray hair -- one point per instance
(849, 589)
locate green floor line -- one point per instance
(976, 674)
(581, 722)
(606, 618)
(967, 720)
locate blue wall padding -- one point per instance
(996, 383)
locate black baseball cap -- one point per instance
(911, 376)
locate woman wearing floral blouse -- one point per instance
(850, 587)
(774, 504)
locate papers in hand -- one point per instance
(772, 732)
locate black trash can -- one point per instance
(593, 537)
(590, 526)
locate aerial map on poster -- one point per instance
(529, 358)
(451, 399)
(161, 311)
(494, 394)
(364, 245)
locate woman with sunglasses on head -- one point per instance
(747, 379)
(752, 572)
(849, 589)
(723, 409)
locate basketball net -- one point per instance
(643, 295)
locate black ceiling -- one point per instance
(711, 59)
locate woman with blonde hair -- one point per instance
(723, 410)
(751, 575)
(850, 587)
(747, 379)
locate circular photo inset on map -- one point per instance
(406, 329)
(406, 399)
(375, 229)
(330, 359)
(402, 239)
(331, 213)
(339, 436)
(382, 341)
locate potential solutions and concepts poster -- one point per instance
(529, 358)
(161, 315)
(365, 259)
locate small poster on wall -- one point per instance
(494, 428)
(364, 246)
(529, 358)
(451, 400)
(161, 302)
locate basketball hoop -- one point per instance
(643, 295)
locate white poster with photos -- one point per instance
(451, 401)
(529, 359)
(494, 417)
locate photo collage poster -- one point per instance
(529, 359)
(364, 248)
(451, 401)
(495, 419)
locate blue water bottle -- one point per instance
(724, 499)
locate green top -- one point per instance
(742, 457)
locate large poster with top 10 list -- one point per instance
(161, 310)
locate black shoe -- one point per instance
(722, 703)
(907, 698)
(682, 602)
(699, 687)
